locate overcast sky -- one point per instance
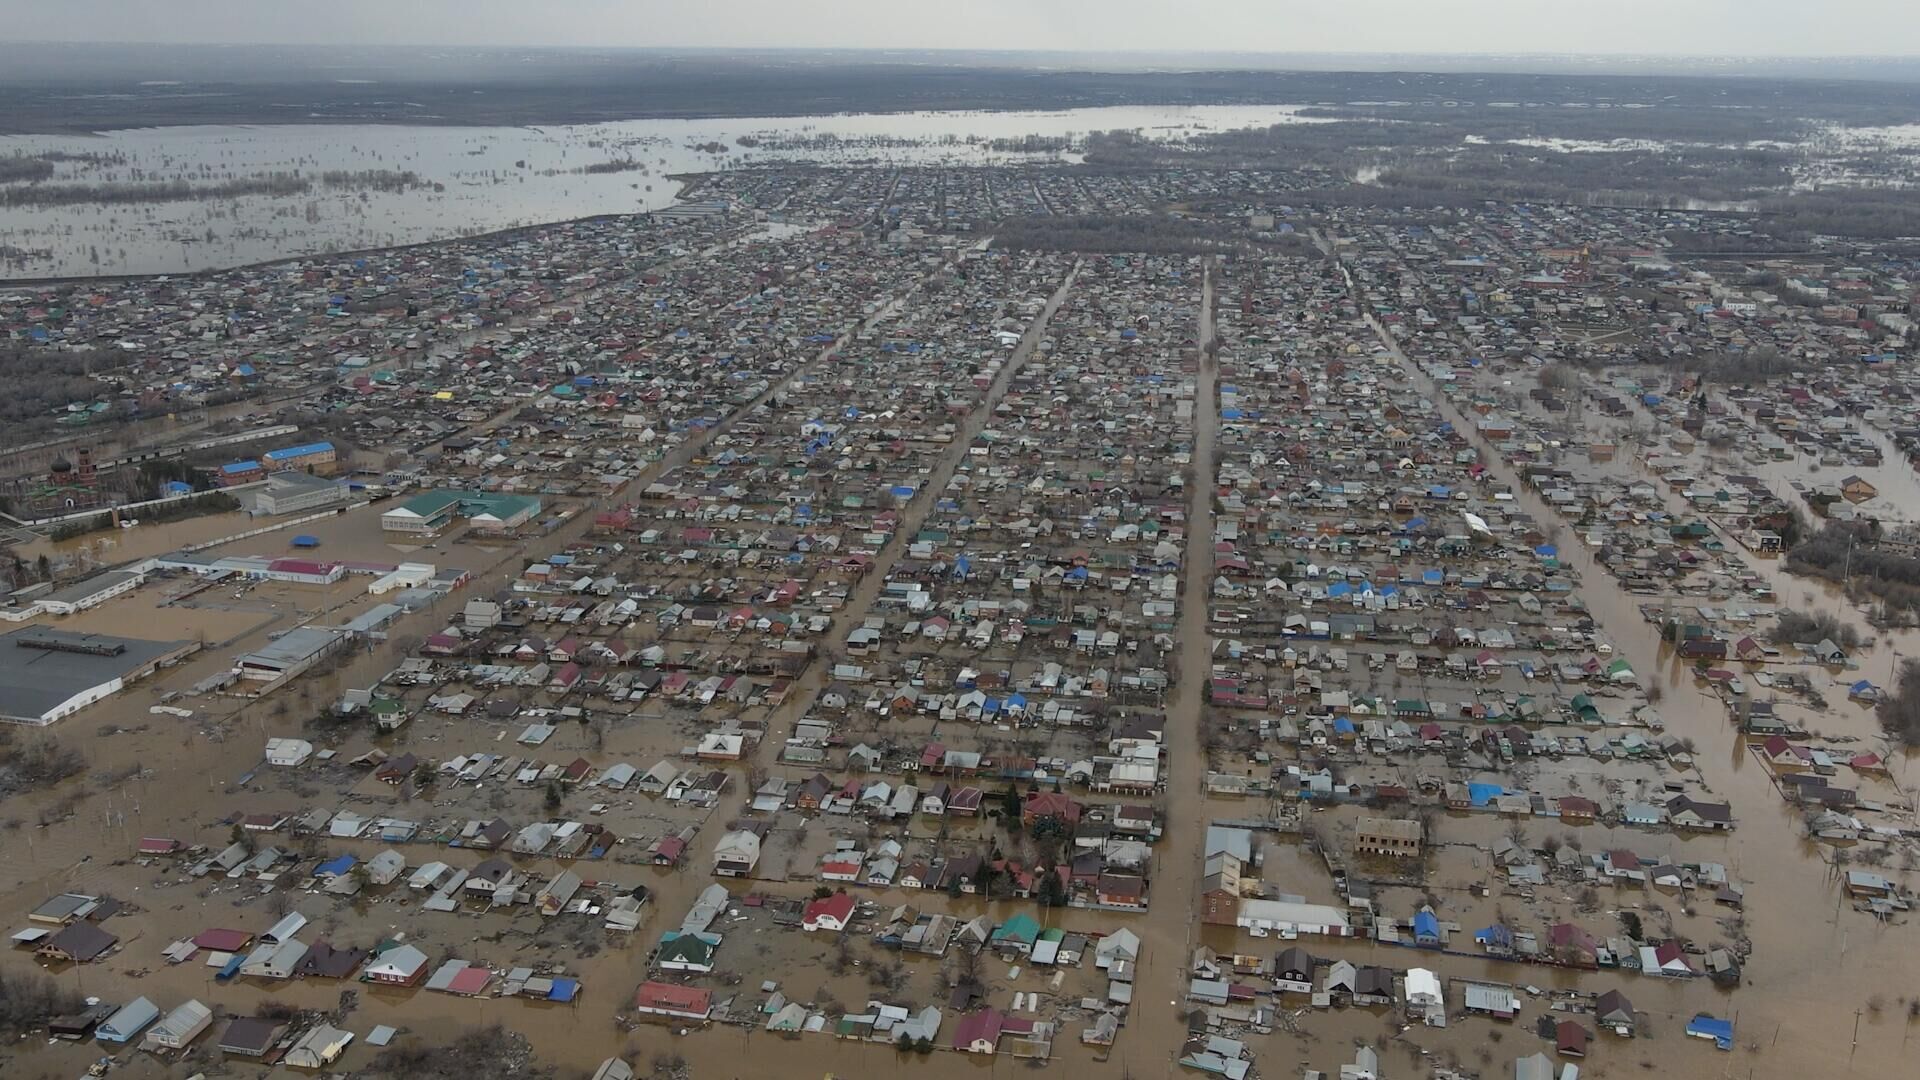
(1687, 27)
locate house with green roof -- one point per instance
(388, 713)
(686, 952)
(1018, 933)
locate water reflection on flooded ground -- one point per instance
(474, 180)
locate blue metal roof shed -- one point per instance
(1703, 1026)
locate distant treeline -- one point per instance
(35, 382)
(23, 167)
(278, 185)
(1655, 177)
(1031, 144)
(154, 192)
(371, 179)
(1875, 213)
(19, 167)
(1668, 157)
(1701, 121)
(85, 88)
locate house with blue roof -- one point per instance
(338, 866)
(1703, 1026)
(1426, 928)
(1496, 939)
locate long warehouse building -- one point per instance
(47, 674)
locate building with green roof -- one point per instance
(432, 511)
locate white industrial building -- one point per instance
(97, 589)
(293, 492)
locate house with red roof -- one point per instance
(1121, 891)
(669, 851)
(1049, 805)
(666, 999)
(223, 940)
(1134, 818)
(828, 913)
(1624, 865)
(1576, 810)
(1666, 958)
(441, 644)
(1568, 944)
(843, 867)
(1570, 1039)
(1782, 754)
(979, 1033)
(305, 571)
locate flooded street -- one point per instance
(578, 1037)
(182, 769)
(1820, 971)
(1818, 968)
(1167, 932)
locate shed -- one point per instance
(126, 1022)
(284, 930)
(180, 1027)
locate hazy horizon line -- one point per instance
(963, 50)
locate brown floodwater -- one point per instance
(1806, 1007)
(1819, 969)
(223, 741)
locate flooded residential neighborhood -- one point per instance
(1256, 584)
